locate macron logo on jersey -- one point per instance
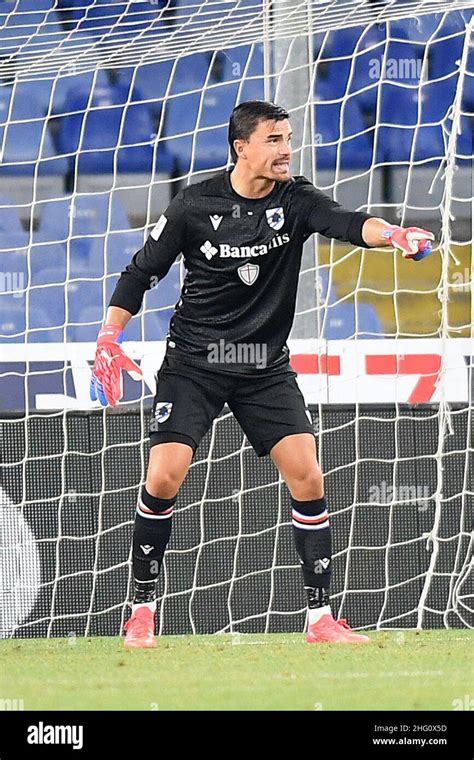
(215, 220)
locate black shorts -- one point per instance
(189, 398)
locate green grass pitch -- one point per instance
(399, 670)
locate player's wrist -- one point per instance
(389, 230)
(110, 334)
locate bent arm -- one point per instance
(151, 263)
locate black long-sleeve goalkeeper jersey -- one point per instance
(242, 258)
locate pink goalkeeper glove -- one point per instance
(413, 242)
(110, 360)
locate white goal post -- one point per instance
(106, 111)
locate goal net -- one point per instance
(107, 109)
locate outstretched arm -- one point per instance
(321, 214)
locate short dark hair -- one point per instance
(245, 117)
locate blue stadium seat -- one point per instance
(404, 61)
(9, 218)
(52, 262)
(153, 81)
(86, 256)
(366, 53)
(354, 151)
(150, 81)
(32, 91)
(211, 148)
(26, 146)
(89, 323)
(48, 298)
(244, 65)
(92, 259)
(398, 144)
(88, 226)
(358, 47)
(15, 243)
(120, 248)
(416, 29)
(68, 84)
(399, 104)
(436, 99)
(24, 21)
(46, 261)
(464, 144)
(97, 17)
(25, 105)
(157, 324)
(340, 322)
(89, 217)
(446, 45)
(83, 291)
(98, 130)
(32, 95)
(190, 73)
(24, 142)
(13, 327)
(13, 322)
(399, 107)
(468, 90)
(54, 295)
(13, 270)
(118, 18)
(76, 7)
(346, 42)
(43, 28)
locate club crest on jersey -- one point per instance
(163, 410)
(248, 273)
(275, 217)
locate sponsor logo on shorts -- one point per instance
(163, 410)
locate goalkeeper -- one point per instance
(241, 234)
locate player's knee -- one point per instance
(307, 484)
(164, 484)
